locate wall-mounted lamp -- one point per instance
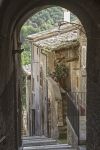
(19, 51)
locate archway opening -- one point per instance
(58, 60)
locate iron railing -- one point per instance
(76, 106)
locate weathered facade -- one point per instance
(72, 54)
(38, 92)
(55, 117)
(74, 57)
(77, 93)
(42, 92)
(27, 119)
(67, 48)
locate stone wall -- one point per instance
(7, 113)
(55, 117)
(50, 62)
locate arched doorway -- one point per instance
(75, 89)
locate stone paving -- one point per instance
(43, 143)
(82, 147)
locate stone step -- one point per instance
(50, 147)
(42, 143)
(39, 142)
(23, 132)
(63, 127)
(33, 137)
(82, 147)
(39, 139)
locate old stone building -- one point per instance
(43, 90)
(65, 47)
(38, 92)
(27, 85)
(13, 15)
(74, 57)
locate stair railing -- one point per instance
(2, 139)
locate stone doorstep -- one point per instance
(82, 142)
(39, 139)
(82, 148)
(39, 143)
(25, 141)
(34, 140)
(33, 137)
(51, 147)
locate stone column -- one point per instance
(93, 89)
(7, 95)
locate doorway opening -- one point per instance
(54, 76)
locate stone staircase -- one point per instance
(23, 133)
(63, 132)
(43, 143)
(63, 129)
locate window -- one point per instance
(41, 76)
(83, 57)
(37, 78)
(33, 84)
(37, 51)
(33, 54)
(77, 82)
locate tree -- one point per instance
(43, 20)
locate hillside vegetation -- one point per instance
(43, 20)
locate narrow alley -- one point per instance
(55, 86)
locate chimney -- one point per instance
(66, 15)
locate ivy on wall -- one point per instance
(61, 71)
